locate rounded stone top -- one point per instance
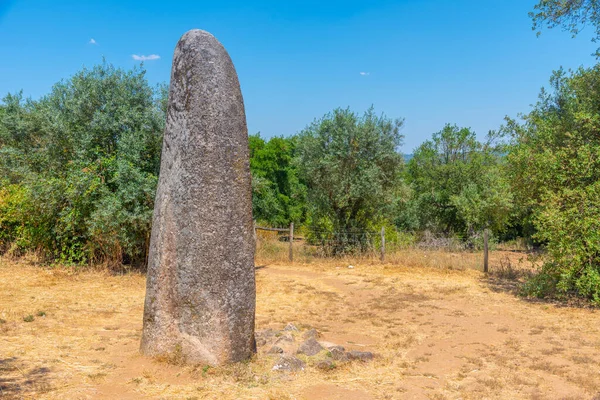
(199, 37)
(193, 33)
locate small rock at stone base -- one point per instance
(285, 338)
(359, 355)
(289, 363)
(275, 350)
(311, 334)
(325, 365)
(290, 327)
(338, 354)
(310, 347)
(260, 341)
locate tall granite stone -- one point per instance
(200, 295)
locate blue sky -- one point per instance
(469, 62)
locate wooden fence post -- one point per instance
(382, 243)
(292, 242)
(485, 250)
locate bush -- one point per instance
(555, 167)
(13, 219)
(80, 168)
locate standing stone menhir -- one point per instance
(200, 295)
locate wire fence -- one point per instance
(319, 243)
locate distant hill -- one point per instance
(407, 157)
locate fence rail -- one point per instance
(262, 228)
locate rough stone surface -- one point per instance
(200, 297)
(289, 363)
(360, 355)
(310, 347)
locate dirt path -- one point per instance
(438, 335)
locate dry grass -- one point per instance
(439, 331)
(505, 264)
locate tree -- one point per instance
(555, 172)
(279, 197)
(458, 183)
(351, 166)
(571, 15)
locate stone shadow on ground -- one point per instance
(15, 383)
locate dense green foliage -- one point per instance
(458, 184)
(79, 167)
(555, 172)
(278, 195)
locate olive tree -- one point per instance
(351, 165)
(459, 184)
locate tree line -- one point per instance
(79, 169)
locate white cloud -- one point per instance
(145, 58)
(365, 73)
(92, 41)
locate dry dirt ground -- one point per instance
(437, 334)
